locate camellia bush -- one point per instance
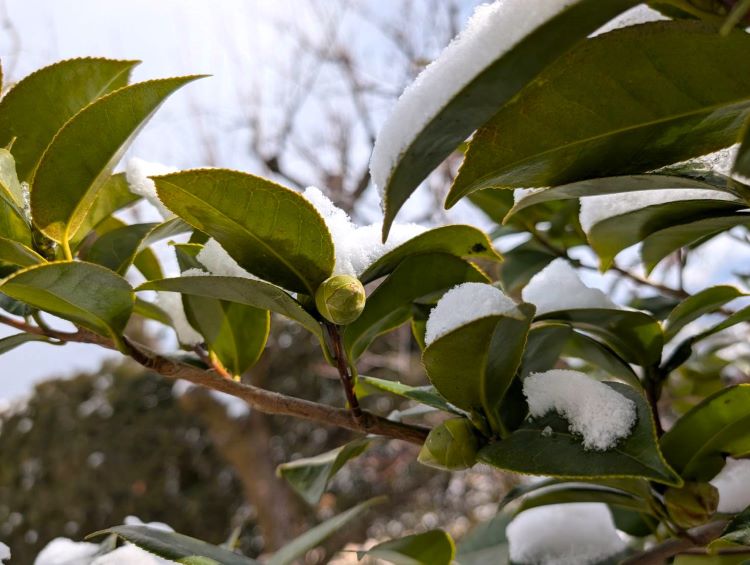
(614, 128)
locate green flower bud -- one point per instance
(452, 446)
(691, 505)
(340, 299)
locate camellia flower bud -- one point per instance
(691, 505)
(452, 445)
(340, 299)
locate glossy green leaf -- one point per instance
(706, 301)
(151, 311)
(417, 277)
(309, 477)
(495, 203)
(458, 240)
(39, 105)
(434, 547)
(79, 160)
(317, 535)
(174, 546)
(18, 254)
(11, 342)
(660, 244)
(426, 395)
(736, 533)
(634, 336)
(485, 543)
(719, 426)
(580, 492)
(82, 293)
(490, 90)
(473, 366)
(271, 231)
(621, 103)
(561, 454)
(13, 222)
(610, 236)
(522, 262)
(114, 195)
(10, 188)
(250, 292)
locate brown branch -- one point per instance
(346, 378)
(260, 399)
(696, 537)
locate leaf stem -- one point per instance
(347, 382)
(66, 250)
(739, 11)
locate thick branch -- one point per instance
(260, 399)
(697, 537)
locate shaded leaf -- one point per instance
(417, 277)
(736, 533)
(459, 240)
(706, 301)
(271, 231)
(426, 395)
(488, 91)
(522, 262)
(561, 454)
(151, 311)
(114, 195)
(11, 342)
(485, 543)
(39, 105)
(434, 547)
(621, 103)
(10, 188)
(309, 477)
(742, 162)
(73, 168)
(18, 254)
(580, 492)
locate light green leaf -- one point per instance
(610, 236)
(490, 90)
(668, 240)
(314, 537)
(561, 454)
(10, 188)
(719, 426)
(417, 278)
(11, 342)
(151, 311)
(114, 195)
(458, 240)
(271, 231)
(621, 103)
(83, 293)
(706, 301)
(80, 158)
(426, 395)
(18, 254)
(258, 294)
(473, 366)
(174, 546)
(35, 109)
(434, 547)
(309, 477)
(727, 559)
(634, 336)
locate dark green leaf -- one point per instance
(621, 103)
(489, 90)
(250, 292)
(271, 231)
(13, 341)
(80, 159)
(698, 442)
(39, 105)
(458, 240)
(310, 477)
(473, 366)
(742, 163)
(706, 301)
(314, 537)
(83, 293)
(174, 546)
(426, 395)
(18, 254)
(561, 454)
(390, 305)
(580, 492)
(485, 543)
(434, 547)
(634, 336)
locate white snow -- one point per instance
(63, 551)
(465, 303)
(640, 14)
(4, 552)
(356, 247)
(218, 262)
(137, 173)
(733, 483)
(577, 533)
(558, 287)
(171, 303)
(235, 407)
(493, 30)
(595, 209)
(599, 413)
(129, 554)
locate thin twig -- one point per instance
(696, 537)
(343, 367)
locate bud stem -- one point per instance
(346, 378)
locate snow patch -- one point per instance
(641, 14)
(558, 287)
(599, 413)
(465, 303)
(64, 551)
(129, 554)
(577, 533)
(493, 30)
(4, 552)
(218, 262)
(171, 303)
(137, 173)
(732, 483)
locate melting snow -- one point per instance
(171, 303)
(137, 173)
(732, 483)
